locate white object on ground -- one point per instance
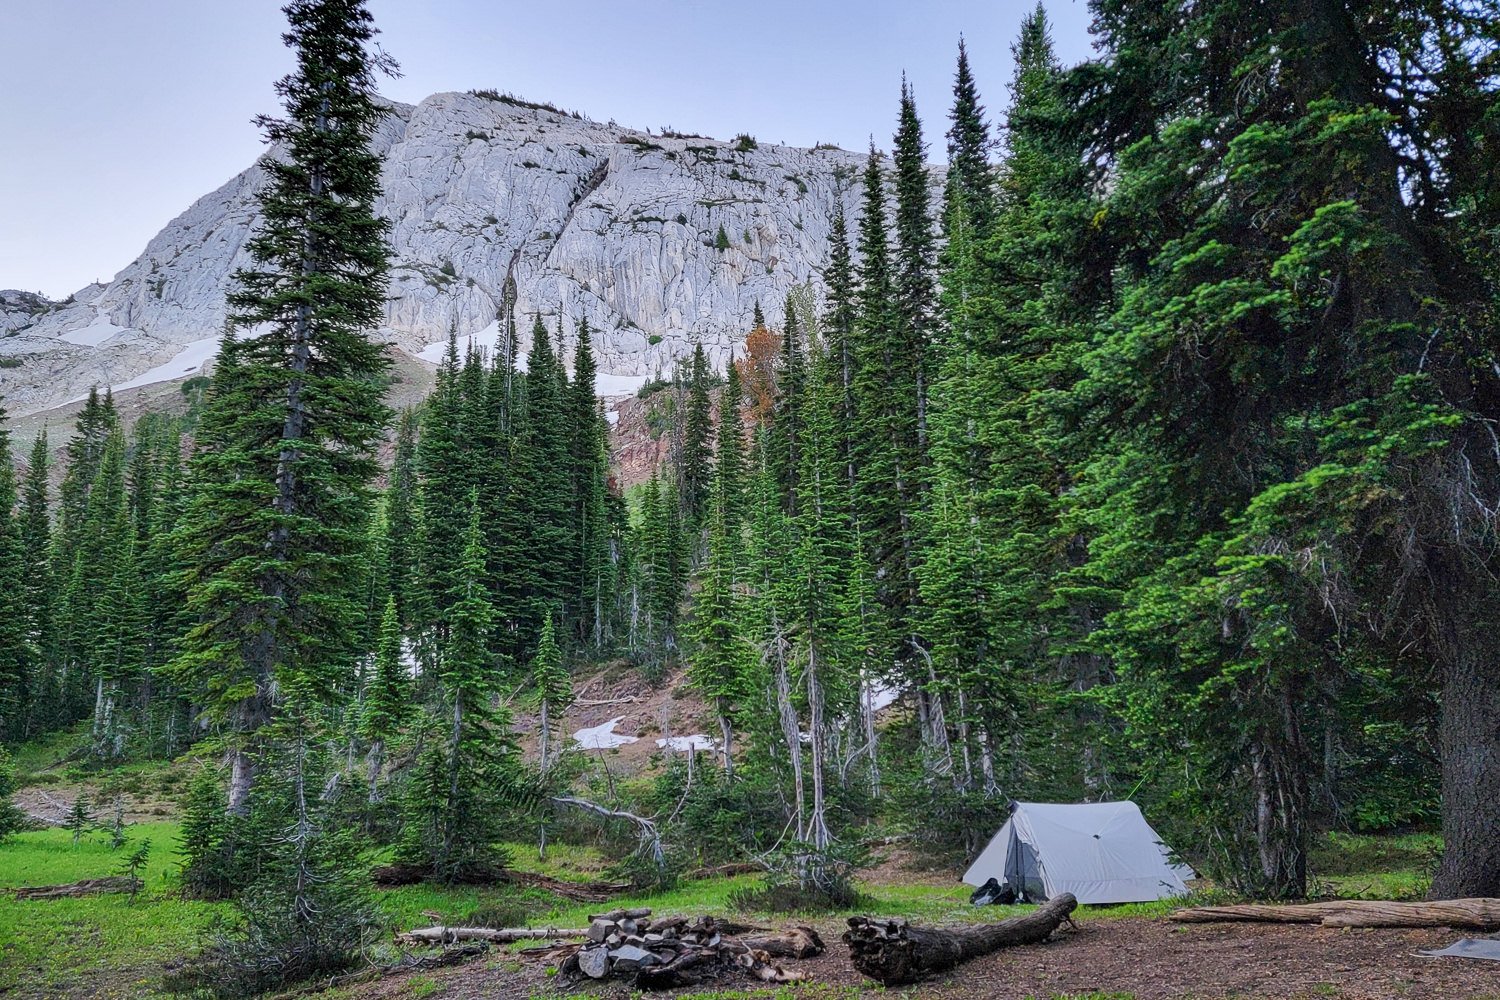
(603, 737)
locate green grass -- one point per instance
(1367, 866)
(111, 946)
(91, 946)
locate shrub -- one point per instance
(744, 142)
(802, 879)
(11, 818)
(9, 362)
(721, 239)
(481, 136)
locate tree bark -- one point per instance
(894, 952)
(1469, 737)
(1474, 914)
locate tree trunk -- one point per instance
(894, 952)
(726, 736)
(241, 778)
(1475, 914)
(373, 763)
(1469, 738)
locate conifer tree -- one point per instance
(592, 592)
(278, 523)
(729, 459)
(38, 583)
(464, 778)
(693, 466)
(387, 701)
(403, 532)
(718, 665)
(970, 180)
(16, 650)
(916, 302)
(553, 689)
(784, 434)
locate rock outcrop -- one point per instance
(658, 241)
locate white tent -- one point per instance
(1101, 852)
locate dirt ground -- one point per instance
(1146, 959)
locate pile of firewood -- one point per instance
(657, 954)
(673, 952)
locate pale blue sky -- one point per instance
(117, 114)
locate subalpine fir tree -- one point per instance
(82, 456)
(718, 663)
(592, 588)
(402, 524)
(387, 700)
(1304, 319)
(729, 458)
(552, 689)
(464, 780)
(105, 597)
(37, 580)
(446, 464)
(693, 466)
(550, 500)
(784, 434)
(16, 649)
(839, 331)
(916, 299)
(277, 529)
(970, 179)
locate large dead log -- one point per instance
(86, 887)
(794, 942)
(1481, 914)
(894, 952)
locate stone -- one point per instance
(591, 220)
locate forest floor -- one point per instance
(117, 947)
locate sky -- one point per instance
(118, 114)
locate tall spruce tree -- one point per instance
(970, 180)
(592, 591)
(16, 649)
(38, 583)
(1298, 315)
(464, 778)
(277, 528)
(694, 466)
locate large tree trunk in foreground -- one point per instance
(1476, 914)
(1470, 743)
(894, 952)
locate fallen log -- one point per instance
(794, 942)
(577, 892)
(1481, 914)
(893, 952)
(494, 935)
(85, 887)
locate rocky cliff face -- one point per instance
(657, 241)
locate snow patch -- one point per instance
(93, 335)
(883, 695)
(191, 360)
(603, 737)
(682, 744)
